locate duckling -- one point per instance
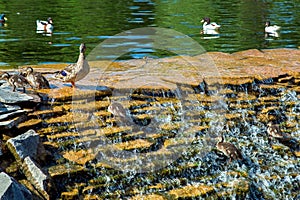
(76, 71)
(209, 27)
(3, 19)
(46, 26)
(271, 30)
(15, 80)
(35, 79)
(274, 131)
(117, 110)
(229, 149)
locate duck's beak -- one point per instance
(202, 20)
(5, 19)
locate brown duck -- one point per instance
(15, 80)
(35, 79)
(229, 149)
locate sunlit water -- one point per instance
(94, 21)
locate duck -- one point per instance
(117, 110)
(46, 26)
(271, 30)
(274, 131)
(229, 149)
(3, 19)
(15, 80)
(209, 27)
(76, 71)
(35, 79)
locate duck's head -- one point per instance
(49, 20)
(5, 76)
(268, 23)
(82, 48)
(220, 138)
(2, 18)
(206, 19)
(270, 123)
(25, 71)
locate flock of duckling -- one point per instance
(28, 77)
(212, 28)
(273, 131)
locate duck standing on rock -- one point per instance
(229, 149)
(76, 71)
(209, 27)
(35, 79)
(15, 80)
(46, 26)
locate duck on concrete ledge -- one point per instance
(274, 131)
(76, 71)
(35, 79)
(229, 149)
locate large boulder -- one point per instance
(25, 145)
(9, 97)
(39, 179)
(10, 189)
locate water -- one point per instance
(94, 21)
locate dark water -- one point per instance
(94, 21)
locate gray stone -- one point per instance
(36, 176)
(24, 145)
(11, 114)
(7, 96)
(8, 108)
(10, 189)
(9, 124)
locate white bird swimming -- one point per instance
(271, 30)
(209, 27)
(45, 26)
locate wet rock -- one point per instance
(191, 191)
(10, 189)
(9, 124)
(36, 176)
(10, 97)
(11, 114)
(25, 145)
(8, 108)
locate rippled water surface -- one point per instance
(94, 21)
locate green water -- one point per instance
(94, 21)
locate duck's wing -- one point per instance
(66, 73)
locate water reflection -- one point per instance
(92, 22)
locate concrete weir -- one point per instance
(147, 129)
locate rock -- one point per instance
(10, 189)
(11, 114)
(10, 97)
(36, 176)
(8, 108)
(24, 145)
(1, 146)
(9, 124)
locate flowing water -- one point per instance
(266, 173)
(94, 21)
